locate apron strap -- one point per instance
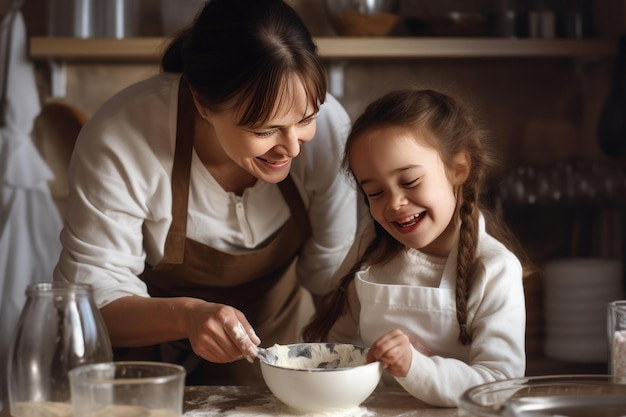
(181, 171)
(294, 200)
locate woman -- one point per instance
(194, 191)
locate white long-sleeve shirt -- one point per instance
(415, 293)
(119, 208)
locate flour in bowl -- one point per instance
(319, 355)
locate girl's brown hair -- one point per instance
(247, 50)
(447, 126)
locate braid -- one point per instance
(466, 262)
(334, 304)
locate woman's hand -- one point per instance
(217, 332)
(393, 349)
(220, 333)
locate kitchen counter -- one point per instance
(239, 401)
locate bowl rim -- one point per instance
(347, 368)
(467, 404)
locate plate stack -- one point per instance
(575, 298)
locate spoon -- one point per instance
(267, 355)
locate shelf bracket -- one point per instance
(336, 80)
(58, 78)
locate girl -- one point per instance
(437, 297)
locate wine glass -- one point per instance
(59, 328)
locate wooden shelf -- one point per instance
(461, 47)
(97, 49)
(150, 49)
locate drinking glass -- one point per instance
(616, 321)
(151, 389)
(59, 328)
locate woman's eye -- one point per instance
(307, 121)
(264, 134)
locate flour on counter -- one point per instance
(223, 406)
(130, 411)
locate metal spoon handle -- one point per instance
(267, 355)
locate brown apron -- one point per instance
(261, 283)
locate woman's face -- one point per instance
(408, 190)
(266, 151)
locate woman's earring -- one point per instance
(203, 115)
(199, 107)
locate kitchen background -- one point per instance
(560, 191)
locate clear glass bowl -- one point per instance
(362, 17)
(561, 395)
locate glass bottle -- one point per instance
(59, 328)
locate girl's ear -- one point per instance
(461, 167)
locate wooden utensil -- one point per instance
(54, 134)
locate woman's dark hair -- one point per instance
(247, 50)
(445, 125)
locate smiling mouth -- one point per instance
(411, 220)
(277, 163)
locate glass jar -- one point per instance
(616, 328)
(59, 328)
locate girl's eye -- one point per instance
(374, 194)
(410, 183)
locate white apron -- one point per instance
(427, 314)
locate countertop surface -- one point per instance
(240, 401)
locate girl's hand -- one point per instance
(394, 351)
(220, 333)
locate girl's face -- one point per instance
(266, 151)
(408, 190)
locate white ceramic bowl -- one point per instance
(320, 377)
